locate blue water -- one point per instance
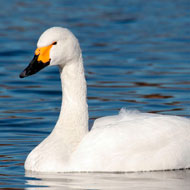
(136, 55)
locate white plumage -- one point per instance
(130, 141)
(134, 141)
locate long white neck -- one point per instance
(72, 124)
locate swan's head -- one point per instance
(56, 46)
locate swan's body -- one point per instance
(130, 141)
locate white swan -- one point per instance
(130, 141)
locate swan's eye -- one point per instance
(54, 43)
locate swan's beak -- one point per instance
(41, 59)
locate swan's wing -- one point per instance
(123, 116)
(134, 141)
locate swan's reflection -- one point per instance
(143, 180)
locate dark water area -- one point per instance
(136, 55)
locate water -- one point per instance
(136, 55)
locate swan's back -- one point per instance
(134, 141)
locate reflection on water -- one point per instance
(142, 180)
(136, 55)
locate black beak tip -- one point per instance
(23, 74)
(33, 67)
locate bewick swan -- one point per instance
(129, 141)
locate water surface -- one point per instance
(136, 55)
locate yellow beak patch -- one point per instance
(43, 53)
